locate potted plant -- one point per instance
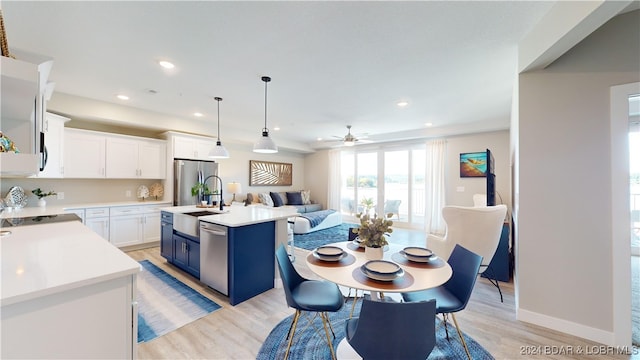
(367, 204)
(372, 232)
(41, 195)
(202, 191)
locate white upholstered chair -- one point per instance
(476, 228)
(479, 200)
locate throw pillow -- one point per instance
(294, 198)
(277, 200)
(306, 197)
(265, 199)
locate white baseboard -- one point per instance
(568, 327)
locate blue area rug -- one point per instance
(312, 240)
(310, 342)
(165, 303)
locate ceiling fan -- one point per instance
(350, 139)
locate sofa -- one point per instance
(300, 199)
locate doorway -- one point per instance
(620, 120)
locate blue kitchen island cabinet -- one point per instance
(166, 235)
(251, 260)
(186, 253)
(237, 253)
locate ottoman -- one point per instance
(302, 225)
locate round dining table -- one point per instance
(348, 270)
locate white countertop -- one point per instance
(39, 260)
(60, 209)
(238, 215)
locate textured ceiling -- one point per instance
(332, 63)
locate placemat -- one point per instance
(355, 247)
(433, 264)
(402, 282)
(345, 261)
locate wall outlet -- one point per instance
(60, 196)
(127, 193)
(460, 189)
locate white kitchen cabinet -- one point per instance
(135, 225)
(97, 219)
(79, 212)
(192, 147)
(84, 154)
(130, 158)
(126, 227)
(53, 129)
(152, 159)
(151, 225)
(21, 96)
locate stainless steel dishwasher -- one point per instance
(213, 257)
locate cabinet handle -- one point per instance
(214, 232)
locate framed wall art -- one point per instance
(268, 173)
(473, 164)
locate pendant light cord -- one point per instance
(266, 80)
(218, 99)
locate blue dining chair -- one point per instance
(453, 295)
(303, 294)
(392, 330)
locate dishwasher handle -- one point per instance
(214, 232)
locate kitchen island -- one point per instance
(232, 252)
(66, 293)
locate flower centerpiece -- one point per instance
(41, 195)
(372, 233)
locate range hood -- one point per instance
(22, 104)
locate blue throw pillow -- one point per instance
(277, 200)
(294, 198)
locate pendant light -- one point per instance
(218, 151)
(265, 145)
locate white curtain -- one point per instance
(335, 180)
(435, 186)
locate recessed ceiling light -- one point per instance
(197, 114)
(402, 103)
(428, 124)
(122, 97)
(165, 64)
(319, 139)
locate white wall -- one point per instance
(564, 243)
(236, 169)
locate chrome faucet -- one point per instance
(221, 198)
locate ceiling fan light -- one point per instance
(349, 143)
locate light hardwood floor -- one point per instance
(237, 332)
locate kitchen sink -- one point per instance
(188, 223)
(200, 213)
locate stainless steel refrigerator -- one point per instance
(188, 173)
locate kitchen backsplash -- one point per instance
(79, 191)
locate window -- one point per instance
(388, 180)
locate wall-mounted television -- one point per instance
(491, 179)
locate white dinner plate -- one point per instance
(329, 251)
(381, 276)
(329, 258)
(419, 259)
(418, 252)
(382, 267)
